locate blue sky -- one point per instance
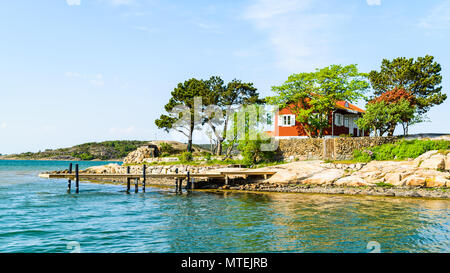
(73, 71)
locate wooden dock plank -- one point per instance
(222, 174)
(131, 176)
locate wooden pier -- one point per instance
(144, 177)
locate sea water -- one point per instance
(38, 215)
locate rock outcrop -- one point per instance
(138, 156)
(150, 151)
(433, 160)
(429, 170)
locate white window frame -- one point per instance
(269, 119)
(290, 120)
(338, 119)
(347, 120)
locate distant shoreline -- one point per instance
(49, 159)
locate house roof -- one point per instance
(351, 107)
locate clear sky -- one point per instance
(74, 71)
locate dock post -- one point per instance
(69, 182)
(77, 179)
(136, 185)
(177, 181)
(226, 180)
(192, 183)
(188, 179)
(143, 178)
(128, 180)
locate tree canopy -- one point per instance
(313, 96)
(182, 113)
(381, 115)
(421, 77)
(221, 102)
(416, 81)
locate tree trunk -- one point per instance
(189, 146)
(219, 147)
(391, 130)
(404, 128)
(191, 132)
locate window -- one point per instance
(345, 121)
(338, 119)
(269, 119)
(287, 120)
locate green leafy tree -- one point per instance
(247, 131)
(395, 101)
(221, 102)
(421, 77)
(380, 115)
(181, 108)
(313, 96)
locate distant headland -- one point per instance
(96, 151)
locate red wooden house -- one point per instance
(342, 121)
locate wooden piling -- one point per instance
(177, 181)
(136, 185)
(143, 178)
(188, 183)
(77, 179)
(128, 180)
(226, 180)
(69, 182)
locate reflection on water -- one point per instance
(36, 215)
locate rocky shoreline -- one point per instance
(369, 191)
(427, 176)
(58, 159)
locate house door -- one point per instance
(350, 125)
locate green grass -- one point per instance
(353, 161)
(384, 185)
(401, 150)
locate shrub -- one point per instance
(363, 156)
(252, 153)
(208, 156)
(186, 157)
(85, 156)
(166, 148)
(401, 150)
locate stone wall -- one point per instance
(302, 149)
(340, 148)
(344, 147)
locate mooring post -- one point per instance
(69, 182)
(143, 178)
(128, 180)
(176, 181)
(226, 180)
(77, 179)
(192, 183)
(188, 184)
(136, 185)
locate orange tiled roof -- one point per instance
(341, 105)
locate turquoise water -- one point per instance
(37, 215)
